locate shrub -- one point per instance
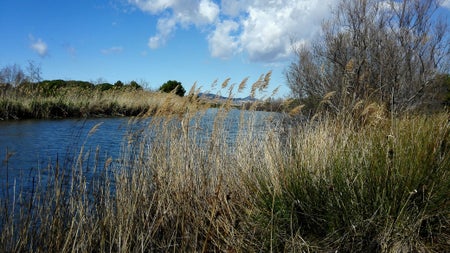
(104, 86)
(173, 87)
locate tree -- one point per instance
(118, 84)
(104, 86)
(172, 86)
(12, 75)
(385, 51)
(34, 72)
(34, 77)
(135, 86)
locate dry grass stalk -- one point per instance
(243, 84)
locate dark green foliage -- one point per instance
(51, 87)
(80, 84)
(446, 84)
(118, 84)
(436, 95)
(53, 109)
(10, 109)
(4, 88)
(104, 86)
(173, 86)
(135, 86)
(38, 109)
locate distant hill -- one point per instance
(247, 99)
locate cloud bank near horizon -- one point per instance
(262, 30)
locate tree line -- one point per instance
(14, 78)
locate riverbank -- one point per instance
(57, 99)
(78, 103)
(330, 184)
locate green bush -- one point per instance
(173, 86)
(49, 88)
(135, 86)
(104, 86)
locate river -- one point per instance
(30, 147)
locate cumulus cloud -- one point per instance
(38, 45)
(222, 42)
(175, 13)
(111, 50)
(262, 30)
(208, 10)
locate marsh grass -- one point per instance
(75, 102)
(328, 184)
(381, 188)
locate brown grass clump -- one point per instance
(370, 114)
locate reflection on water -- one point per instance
(35, 144)
(31, 146)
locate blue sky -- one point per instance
(158, 40)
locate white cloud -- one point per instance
(38, 45)
(153, 6)
(446, 4)
(182, 13)
(261, 29)
(234, 7)
(112, 50)
(270, 28)
(208, 10)
(222, 43)
(165, 27)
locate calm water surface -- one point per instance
(31, 146)
(36, 143)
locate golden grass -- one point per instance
(76, 102)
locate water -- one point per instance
(33, 147)
(36, 143)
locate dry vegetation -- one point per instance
(352, 184)
(77, 102)
(359, 171)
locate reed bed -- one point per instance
(335, 186)
(73, 102)
(324, 185)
